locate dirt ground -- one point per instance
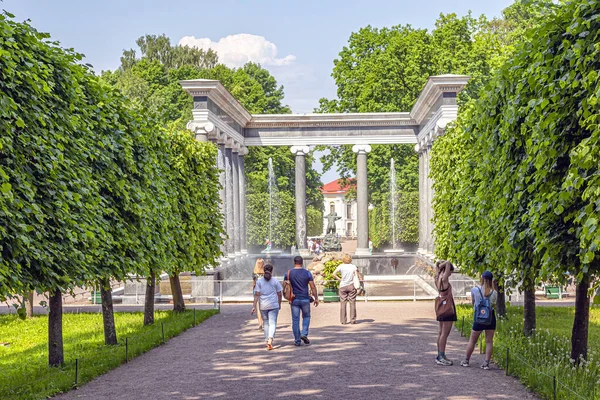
(389, 354)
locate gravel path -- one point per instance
(389, 354)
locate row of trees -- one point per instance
(151, 81)
(91, 189)
(517, 178)
(384, 70)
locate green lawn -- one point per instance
(538, 360)
(23, 364)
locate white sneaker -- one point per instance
(443, 361)
(464, 363)
(485, 365)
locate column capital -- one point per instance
(243, 151)
(361, 148)
(201, 129)
(300, 150)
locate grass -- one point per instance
(24, 373)
(541, 359)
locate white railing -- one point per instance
(377, 288)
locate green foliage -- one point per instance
(25, 374)
(92, 189)
(328, 268)
(407, 221)
(282, 219)
(378, 165)
(383, 70)
(547, 350)
(284, 168)
(159, 48)
(196, 219)
(529, 147)
(408, 216)
(314, 220)
(152, 84)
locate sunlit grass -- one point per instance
(539, 359)
(23, 363)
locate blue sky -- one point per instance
(297, 41)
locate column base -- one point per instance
(238, 254)
(244, 252)
(303, 252)
(362, 252)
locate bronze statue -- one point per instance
(331, 218)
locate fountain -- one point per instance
(272, 215)
(393, 201)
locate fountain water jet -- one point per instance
(272, 212)
(393, 203)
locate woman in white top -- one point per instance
(484, 292)
(267, 294)
(347, 291)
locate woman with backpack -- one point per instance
(445, 309)
(267, 294)
(484, 299)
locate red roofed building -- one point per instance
(334, 200)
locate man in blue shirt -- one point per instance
(301, 280)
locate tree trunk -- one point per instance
(108, 316)
(529, 310)
(55, 337)
(178, 304)
(501, 301)
(28, 300)
(579, 335)
(149, 300)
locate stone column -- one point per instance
(236, 202)
(229, 203)
(222, 191)
(242, 190)
(427, 201)
(419, 150)
(362, 199)
(301, 226)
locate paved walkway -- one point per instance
(389, 354)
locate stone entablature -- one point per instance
(435, 87)
(437, 102)
(334, 120)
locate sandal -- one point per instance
(269, 346)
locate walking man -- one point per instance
(300, 280)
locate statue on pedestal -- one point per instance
(331, 242)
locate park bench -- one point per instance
(553, 292)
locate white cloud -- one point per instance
(237, 50)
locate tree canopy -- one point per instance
(152, 83)
(530, 148)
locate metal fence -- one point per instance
(376, 288)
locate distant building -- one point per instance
(334, 200)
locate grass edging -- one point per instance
(542, 361)
(85, 358)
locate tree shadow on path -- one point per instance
(389, 355)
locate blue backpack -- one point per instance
(483, 310)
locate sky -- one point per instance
(296, 41)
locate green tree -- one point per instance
(385, 70)
(159, 48)
(314, 221)
(534, 153)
